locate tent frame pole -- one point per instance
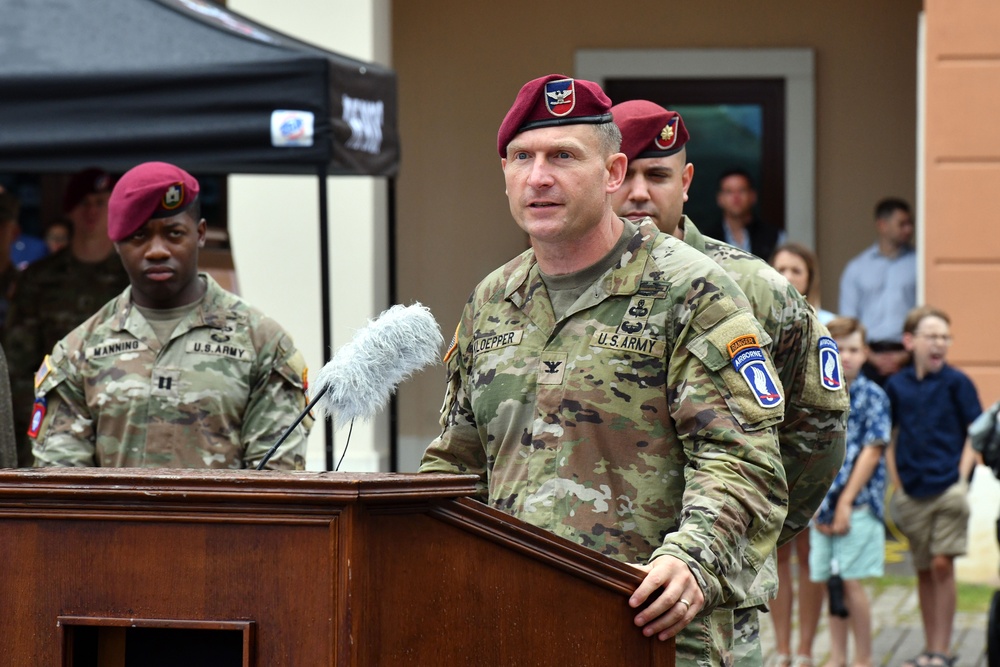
(327, 309)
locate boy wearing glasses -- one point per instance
(930, 462)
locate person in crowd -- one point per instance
(930, 462)
(174, 372)
(847, 537)
(799, 265)
(811, 437)
(879, 287)
(596, 386)
(10, 228)
(55, 294)
(8, 444)
(57, 235)
(739, 226)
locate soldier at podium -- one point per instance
(174, 372)
(610, 384)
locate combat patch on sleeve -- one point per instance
(749, 361)
(829, 364)
(733, 352)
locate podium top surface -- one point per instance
(321, 487)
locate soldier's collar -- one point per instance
(623, 280)
(207, 313)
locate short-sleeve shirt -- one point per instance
(869, 425)
(933, 417)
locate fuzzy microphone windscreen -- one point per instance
(364, 373)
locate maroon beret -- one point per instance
(150, 190)
(649, 130)
(553, 100)
(87, 182)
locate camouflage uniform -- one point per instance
(217, 395)
(51, 297)
(8, 448)
(812, 436)
(623, 427)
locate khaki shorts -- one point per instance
(935, 526)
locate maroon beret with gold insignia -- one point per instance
(149, 190)
(649, 130)
(553, 100)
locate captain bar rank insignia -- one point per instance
(748, 360)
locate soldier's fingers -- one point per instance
(680, 614)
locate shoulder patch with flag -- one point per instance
(749, 361)
(43, 371)
(453, 346)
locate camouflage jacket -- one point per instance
(624, 426)
(217, 395)
(51, 297)
(8, 449)
(812, 436)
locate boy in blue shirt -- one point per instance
(848, 527)
(930, 461)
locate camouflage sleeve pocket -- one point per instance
(753, 393)
(292, 366)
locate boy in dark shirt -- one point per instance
(930, 462)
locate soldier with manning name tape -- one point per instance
(610, 384)
(812, 436)
(175, 372)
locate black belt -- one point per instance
(885, 346)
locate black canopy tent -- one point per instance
(115, 83)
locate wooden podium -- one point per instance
(149, 568)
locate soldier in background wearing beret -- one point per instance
(610, 384)
(57, 293)
(175, 372)
(813, 435)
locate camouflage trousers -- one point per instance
(746, 638)
(707, 641)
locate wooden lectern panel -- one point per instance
(320, 569)
(490, 590)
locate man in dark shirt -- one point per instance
(739, 226)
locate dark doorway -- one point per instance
(733, 123)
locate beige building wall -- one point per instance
(962, 167)
(961, 248)
(460, 66)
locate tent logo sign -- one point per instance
(365, 118)
(291, 128)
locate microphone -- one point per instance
(364, 373)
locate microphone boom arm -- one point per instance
(288, 431)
